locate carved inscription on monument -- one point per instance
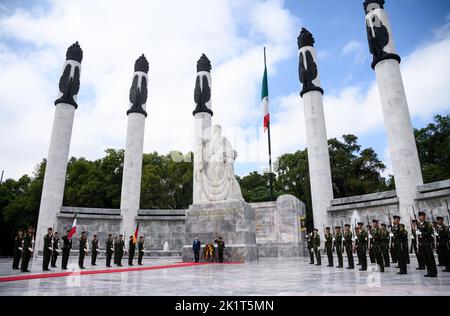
(217, 214)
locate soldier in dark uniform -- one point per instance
(442, 242)
(362, 246)
(338, 246)
(329, 246)
(141, 250)
(316, 246)
(18, 249)
(385, 245)
(67, 245)
(401, 244)
(27, 249)
(55, 251)
(435, 246)
(348, 245)
(414, 245)
(425, 236)
(392, 250)
(377, 240)
(220, 248)
(120, 245)
(94, 244)
(109, 250)
(83, 250)
(131, 251)
(309, 243)
(48, 248)
(116, 253)
(370, 244)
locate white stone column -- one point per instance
(397, 120)
(202, 121)
(132, 167)
(317, 141)
(58, 153)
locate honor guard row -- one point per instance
(24, 248)
(383, 245)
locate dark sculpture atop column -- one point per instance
(307, 69)
(69, 83)
(378, 32)
(138, 90)
(202, 91)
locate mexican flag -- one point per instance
(265, 99)
(136, 232)
(73, 229)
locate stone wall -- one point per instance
(432, 196)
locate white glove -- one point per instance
(30, 249)
(85, 250)
(334, 239)
(20, 248)
(412, 237)
(51, 249)
(391, 235)
(112, 249)
(419, 233)
(142, 250)
(370, 237)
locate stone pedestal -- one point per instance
(234, 221)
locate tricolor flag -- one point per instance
(73, 229)
(136, 232)
(265, 98)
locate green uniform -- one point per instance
(220, 248)
(370, 247)
(309, 244)
(141, 251)
(348, 245)
(339, 249)
(94, 247)
(401, 246)
(362, 248)
(316, 245)
(385, 247)
(55, 251)
(426, 240)
(377, 247)
(109, 251)
(120, 245)
(27, 251)
(47, 251)
(329, 248)
(18, 243)
(443, 246)
(415, 249)
(82, 252)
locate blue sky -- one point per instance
(35, 34)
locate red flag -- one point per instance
(136, 232)
(73, 229)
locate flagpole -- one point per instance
(270, 148)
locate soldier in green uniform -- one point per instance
(131, 251)
(316, 246)
(362, 246)
(377, 240)
(116, 253)
(55, 252)
(355, 247)
(109, 250)
(435, 246)
(94, 244)
(18, 249)
(338, 246)
(220, 248)
(385, 238)
(425, 236)
(141, 250)
(370, 244)
(401, 244)
(82, 250)
(48, 248)
(27, 249)
(120, 249)
(414, 245)
(309, 243)
(67, 245)
(329, 246)
(391, 245)
(348, 245)
(442, 242)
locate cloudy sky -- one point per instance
(34, 36)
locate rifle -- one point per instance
(334, 238)
(390, 229)
(369, 232)
(354, 237)
(448, 212)
(434, 230)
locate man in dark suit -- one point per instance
(196, 246)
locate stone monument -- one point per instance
(397, 120)
(132, 167)
(58, 152)
(218, 208)
(318, 156)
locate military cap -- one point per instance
(347, 225)
(396, 217)
(336, 227)
(327, 227)
(439, 218)
(360, 223)
(413, 221)
(374, 221)
(383, 224)
(422, 213)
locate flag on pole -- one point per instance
(136, 232)
(73, 229)
(265, 97)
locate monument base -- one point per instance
(233, 220)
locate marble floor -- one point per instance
(266, 277)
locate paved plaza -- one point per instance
(266, 277)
